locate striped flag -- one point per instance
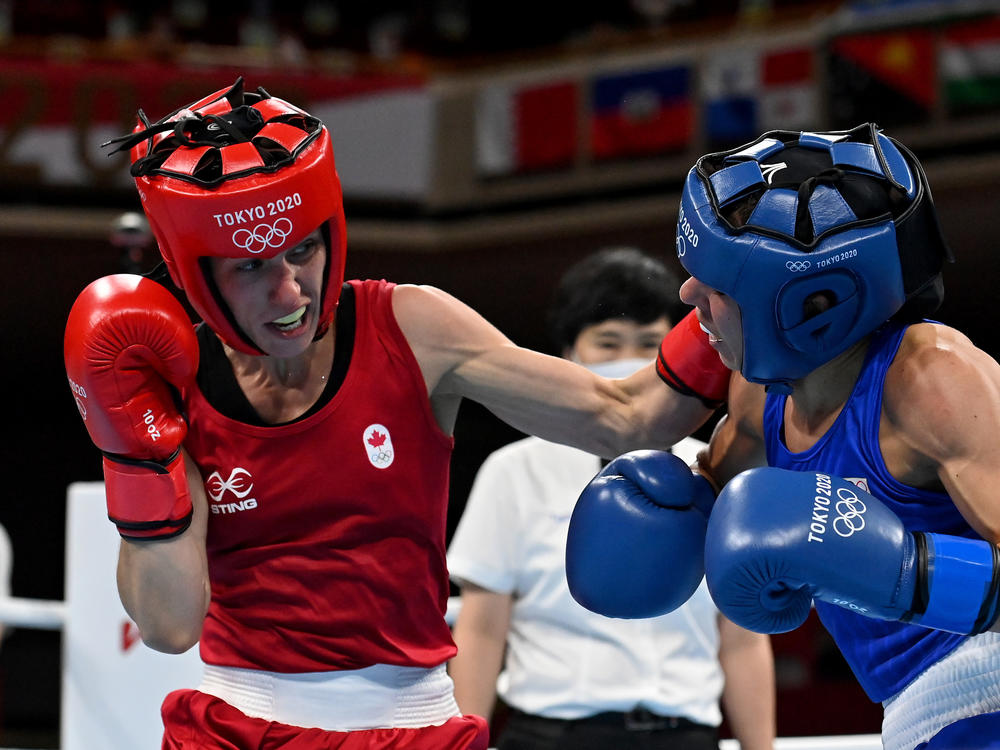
(641, 113)
(730, 86)
(526, 127)
(970, 66)
(788, 98)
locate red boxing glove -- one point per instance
(129, 343)
(689, 364)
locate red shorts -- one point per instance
(196, 721)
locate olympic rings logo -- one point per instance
(263, 236)
(798, 265)
(850, 513)
(381, 457)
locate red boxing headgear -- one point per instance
(237, 175)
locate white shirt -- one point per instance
(562, 660)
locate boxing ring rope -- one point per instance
(37, 614)
(846, 742)
(42, 614)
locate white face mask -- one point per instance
(617, 368)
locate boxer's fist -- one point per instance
(778, 539)
(635, 545)
(689, 364)
(129, 344)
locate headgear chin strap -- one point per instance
(846, 216)
(237, 175)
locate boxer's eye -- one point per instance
(249, 265)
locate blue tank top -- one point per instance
(885, 656)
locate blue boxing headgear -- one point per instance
(846, 215)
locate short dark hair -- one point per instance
(616, 282)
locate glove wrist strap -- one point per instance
(960, 583)
(147, 499)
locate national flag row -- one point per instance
(893, 77)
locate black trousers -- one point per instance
(635, 730)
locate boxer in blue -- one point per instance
(859, 457)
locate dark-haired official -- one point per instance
(576, 680)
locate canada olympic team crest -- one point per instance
(378, 445)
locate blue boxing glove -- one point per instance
(636, 537)
(778, 539)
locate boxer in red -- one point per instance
(279, 474)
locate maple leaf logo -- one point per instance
(378, 445)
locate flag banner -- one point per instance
(970, 67)
(886, 77)
(731, 88)
(524, 128)
(641, 113)
(789, 98)
(749, 91)
(58, 113)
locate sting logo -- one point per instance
(239, 484)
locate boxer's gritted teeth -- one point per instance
(292, 317)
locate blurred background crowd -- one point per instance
(438, 31)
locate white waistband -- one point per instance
(373, 697)
(964, 683)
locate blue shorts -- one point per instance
(974, 733)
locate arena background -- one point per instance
(607, 111)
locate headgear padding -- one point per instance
(237, 175)
(847, 215)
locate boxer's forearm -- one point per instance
(164, 588)
(481, 636)
(164, 584)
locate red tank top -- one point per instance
(326, 536)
